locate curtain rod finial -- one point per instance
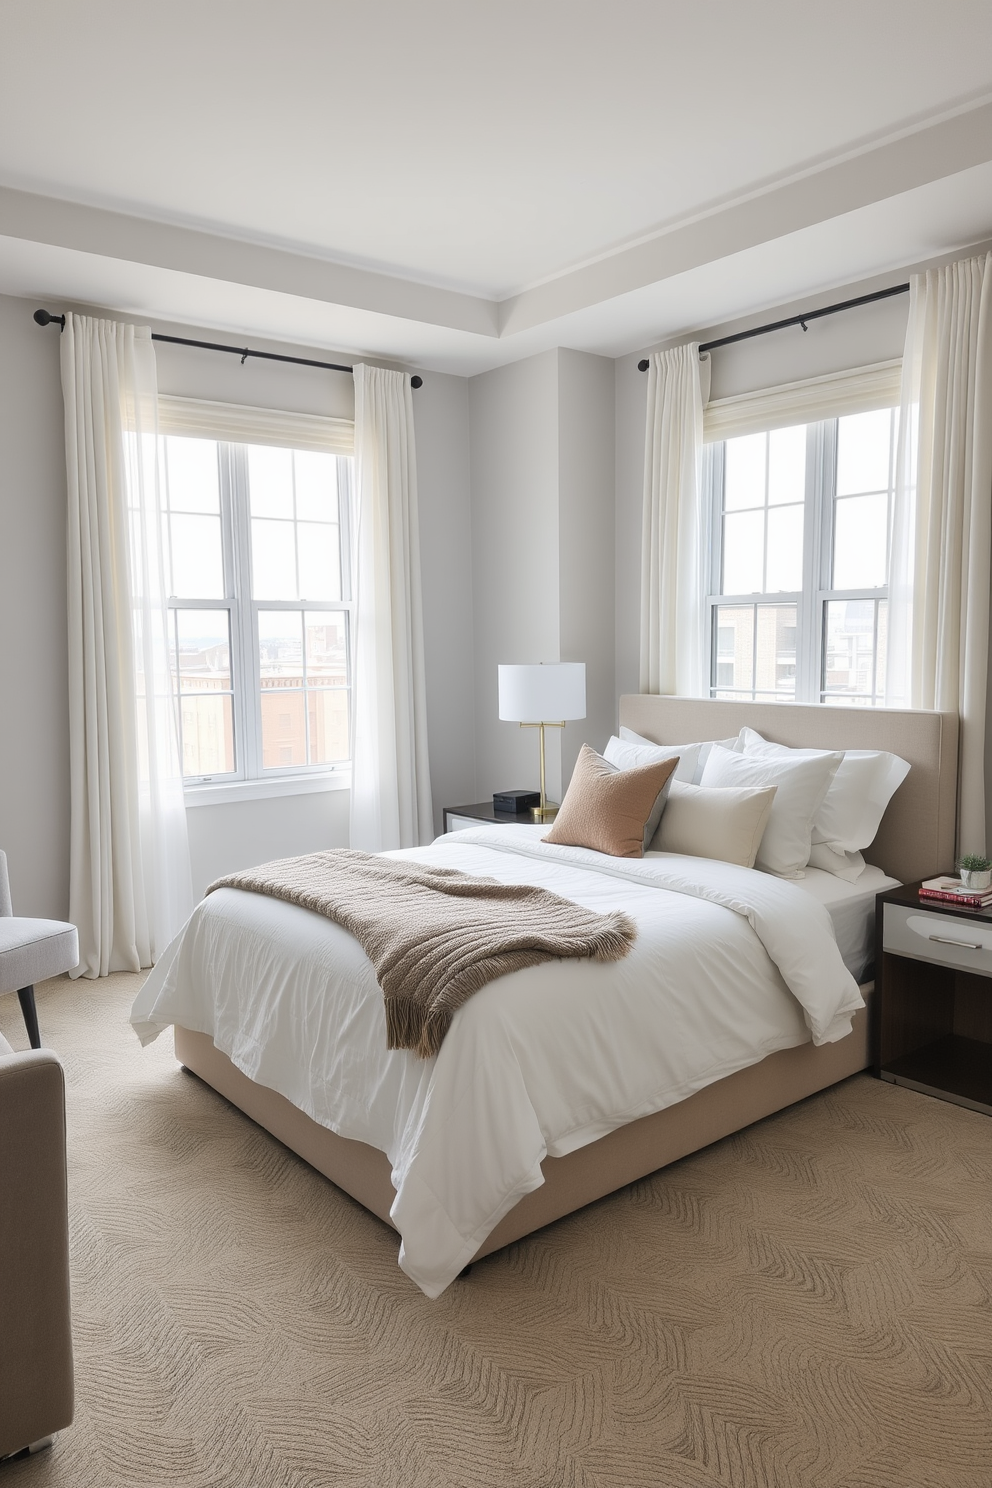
(44, 318)
(416, 382)
(643, 365)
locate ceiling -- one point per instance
(458, 184)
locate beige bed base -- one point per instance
(570, 1182)
(916, 838)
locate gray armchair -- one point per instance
(36, 1379)
(36, 1383)
(30, 951)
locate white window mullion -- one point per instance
(178, 685)
(227, 526)
(345, 500)
(345, 515)
(825, 571)
(243, 618)
(808, 621)
(713, 465)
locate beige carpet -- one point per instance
(808, 1303)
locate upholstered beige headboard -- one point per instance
(916, 837)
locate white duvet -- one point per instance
(729, 965)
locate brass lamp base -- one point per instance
(545, 813)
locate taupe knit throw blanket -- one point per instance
(435, 935)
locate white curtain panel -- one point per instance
(675, 527)
(129, 876)
(938, 650)
(390, 787)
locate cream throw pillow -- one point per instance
(727, 823)
(612, 811)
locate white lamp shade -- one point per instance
(550, 693)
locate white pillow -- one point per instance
(865, 782)
(802, 784)
(846, 865)
(724, 824)
(627, 736)
(628, 756)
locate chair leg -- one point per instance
(26, 998)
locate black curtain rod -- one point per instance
(44, 318)
(780, 325)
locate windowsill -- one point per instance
(229, 791)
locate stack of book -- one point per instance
(953, 891)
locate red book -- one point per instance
(967, 901)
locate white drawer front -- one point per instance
(940, 938)
(460, 823)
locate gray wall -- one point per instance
(542, 440)
(34, 755)
(34, 706)
(225, 838)
(443, 488)
(586, 539)
(514, 448)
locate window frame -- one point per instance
(232, 429)
(817, 565)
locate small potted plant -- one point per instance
(976, 871)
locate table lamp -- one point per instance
(548, 695)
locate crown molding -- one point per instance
(140, 240)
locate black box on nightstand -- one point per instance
(517, 801)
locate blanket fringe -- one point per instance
(405, 1025)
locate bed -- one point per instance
(490, 1101)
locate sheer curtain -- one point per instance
(942, 521)
(129, 877)
(390, 789)
(675, 528)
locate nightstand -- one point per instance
(457, 818)
(933, 997)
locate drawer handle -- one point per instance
(969, 945)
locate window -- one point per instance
(260, 597)
(798, 592)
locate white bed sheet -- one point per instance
(540, 1062)
(851, 907)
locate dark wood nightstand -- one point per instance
(933, 997)
(482, 814)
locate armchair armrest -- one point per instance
(36, 1377)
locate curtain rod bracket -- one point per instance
(44, 317)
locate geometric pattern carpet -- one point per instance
(807, 1304)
